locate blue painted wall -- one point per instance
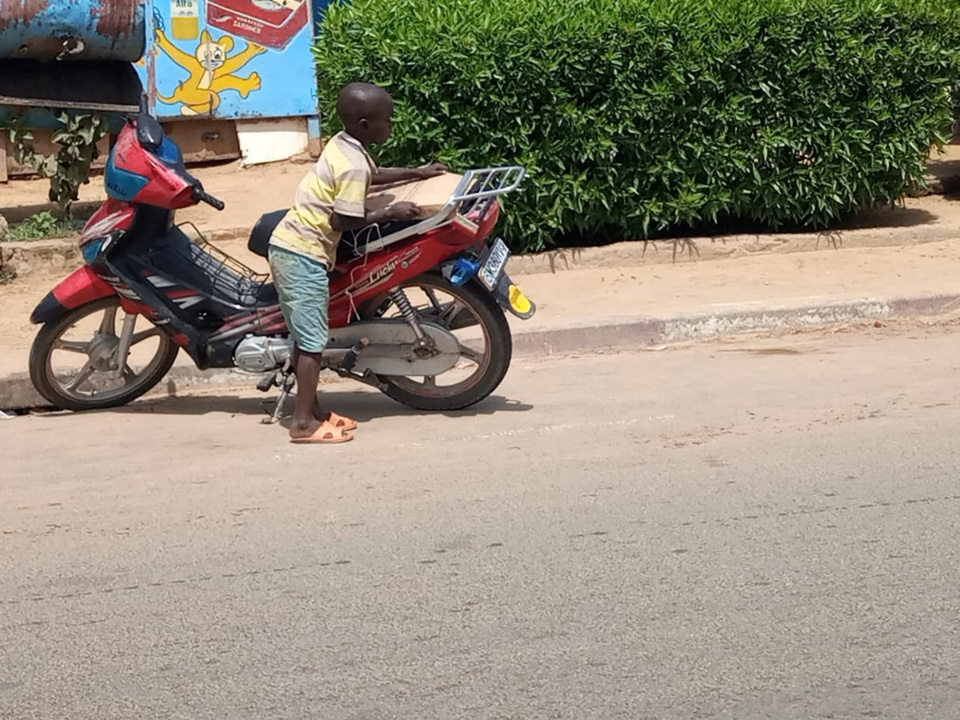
(230, 59)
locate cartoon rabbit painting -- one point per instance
(211, 71)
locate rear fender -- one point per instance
(511, 299)
(82, 286)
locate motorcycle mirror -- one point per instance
(149, 132)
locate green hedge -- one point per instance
(635, 116)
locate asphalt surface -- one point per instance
(755, 529)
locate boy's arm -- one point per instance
(386, 176)
(396, 212)
(349, 206)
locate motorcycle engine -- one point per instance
(262, 354)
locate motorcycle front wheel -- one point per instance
(475, 318)
(73, 360)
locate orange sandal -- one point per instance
(339, 421)
(326, 433)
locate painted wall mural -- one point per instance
(231, 58)
(210, 70)
(273, 23)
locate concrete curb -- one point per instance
(642, 332)
(623, 333)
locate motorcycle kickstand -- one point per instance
(286, 381)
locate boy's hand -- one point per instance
(404, 211)
(432, 170)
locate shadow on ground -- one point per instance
(944, 176)
(877, 218)
(361, 406)
(885, 217)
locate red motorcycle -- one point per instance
(416, 309)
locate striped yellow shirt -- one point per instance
(339, 183)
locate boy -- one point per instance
(330, 201)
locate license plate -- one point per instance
(494, 265)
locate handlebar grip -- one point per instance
(210, 200)
(213, 202)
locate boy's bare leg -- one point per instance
(307, 369)
(318, 413)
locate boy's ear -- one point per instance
(363, 122)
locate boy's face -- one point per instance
(379, 124)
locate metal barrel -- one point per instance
(72, 30)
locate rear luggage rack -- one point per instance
(473, 195)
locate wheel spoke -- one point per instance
(85, 372)
(129, 376)
(470, 354)
(73, 346)
(144, 335)
(430, 381)
(450, 312)
(108, 326)
(433, 299)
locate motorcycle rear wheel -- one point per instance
(91, 387)
(468, 306)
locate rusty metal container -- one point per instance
(72, 30)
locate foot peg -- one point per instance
(350, 359)
(267, 382)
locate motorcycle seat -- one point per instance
(260, 235)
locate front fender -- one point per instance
(80, 287)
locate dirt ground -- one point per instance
(248, 193)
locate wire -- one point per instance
(369, 230)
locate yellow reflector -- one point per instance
(518, 301)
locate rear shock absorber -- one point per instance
(399, 298)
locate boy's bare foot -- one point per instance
(320, 432)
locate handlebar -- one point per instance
(201, 196)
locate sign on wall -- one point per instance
(231, 59)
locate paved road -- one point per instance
(760, 529)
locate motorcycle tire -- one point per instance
(43, 347)
(499, 341)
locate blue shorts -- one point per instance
(304, 291)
